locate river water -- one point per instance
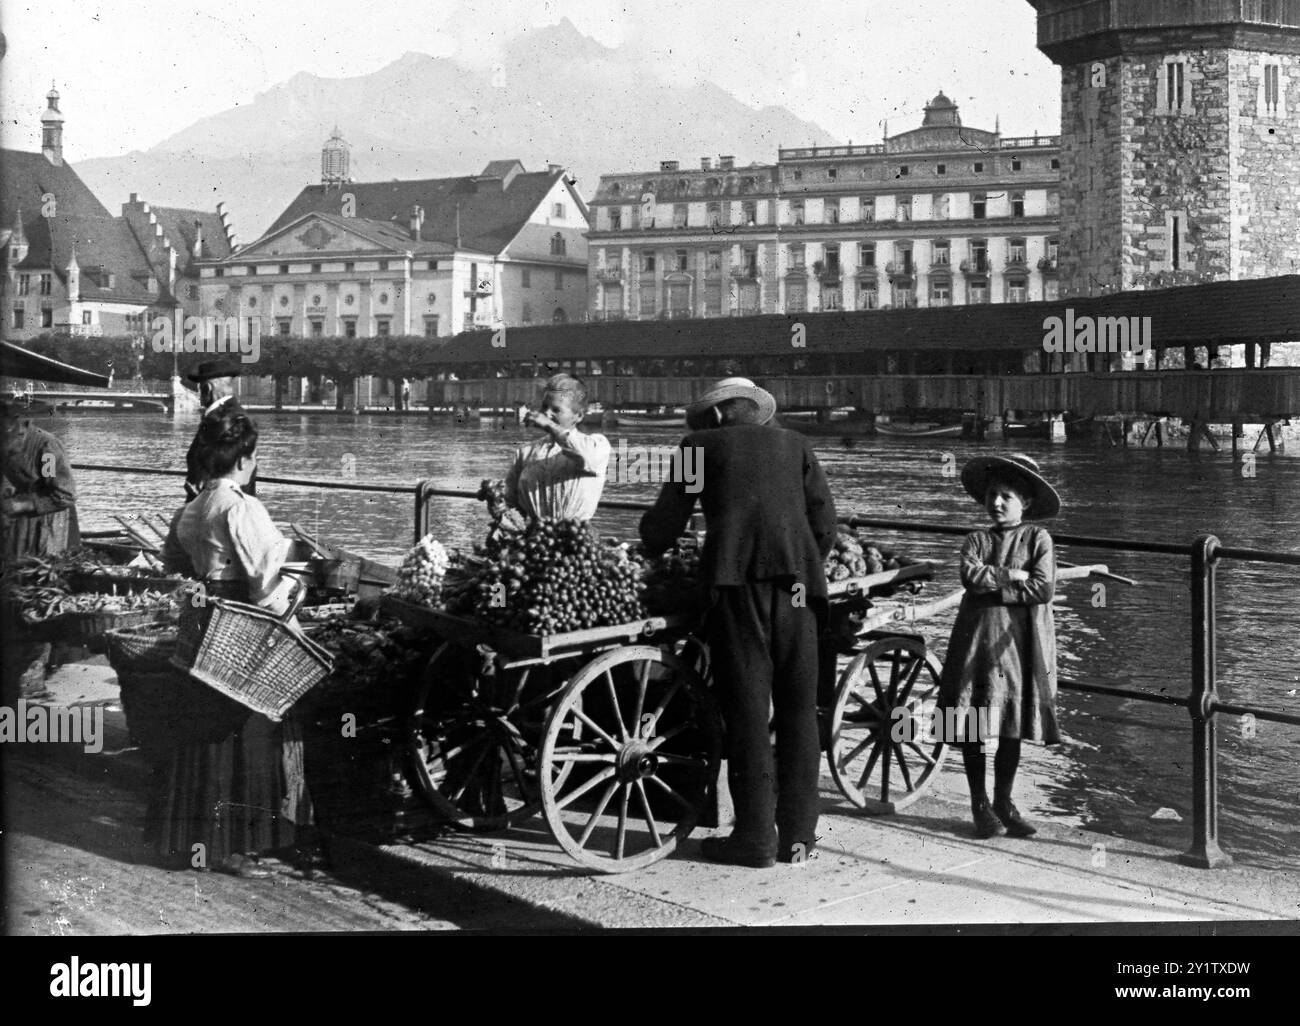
(1124, 759)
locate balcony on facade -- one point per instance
(1025, 142)
(976, 265)
(900, 270)
(821, 152)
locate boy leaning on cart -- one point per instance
(771, 524)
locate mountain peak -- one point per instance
(562, 40)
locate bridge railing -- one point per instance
(1203, 701)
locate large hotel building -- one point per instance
(940, 215)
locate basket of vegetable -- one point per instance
(164, 708)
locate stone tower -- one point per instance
(335, 160)
(1180, 140)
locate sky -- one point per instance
(133, 72)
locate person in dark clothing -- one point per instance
(771, 523)
(216, 381)
(38, 517)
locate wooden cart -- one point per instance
(611, 732)
(614, 735)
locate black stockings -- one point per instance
(1005, 764)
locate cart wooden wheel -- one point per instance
(630, 755)
(882, 755)
(472, 738)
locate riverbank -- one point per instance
(918, 868)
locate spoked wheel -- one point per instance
(472, 738)
(630, 756)
(882, 755)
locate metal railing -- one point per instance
(1202, 703)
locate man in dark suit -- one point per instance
(771, 523)
(216, 381)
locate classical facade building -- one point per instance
(71, 266)
(1180, 140)
(428, 257)
(936, 216)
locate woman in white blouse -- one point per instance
(233, 784)
(561, 476)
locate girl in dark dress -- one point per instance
(233, 785)
(1001, 659)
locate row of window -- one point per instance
(1174, 93)
(384, 325)
(348, 266)
(717, 214)
(44, 284)
(714, 186)
(941, 255)
(675, 301)
(18, 318)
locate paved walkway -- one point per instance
(918, 867)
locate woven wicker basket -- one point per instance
(144, 646)
(89, 627)
(166, 709)
(245, 653)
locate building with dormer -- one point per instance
(939, 215)
(428, 257)
(71, 266)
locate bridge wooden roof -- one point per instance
(1218, 313)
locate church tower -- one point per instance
(1180, 140)
(52, 129)
(335, 160)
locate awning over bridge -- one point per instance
(17, 362)
(1217, 313)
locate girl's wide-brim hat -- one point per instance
(734, 388)
(1043, 498)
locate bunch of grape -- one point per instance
(557, 576)
(419, 579)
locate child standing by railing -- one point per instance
(1001, 659)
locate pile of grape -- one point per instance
(419, 579)
(557, 576)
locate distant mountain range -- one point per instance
(558, 97)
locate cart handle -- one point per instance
(1090, 570)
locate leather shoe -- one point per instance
(244, 866)
(986, 824)
(736, 853)
(1012, 820)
